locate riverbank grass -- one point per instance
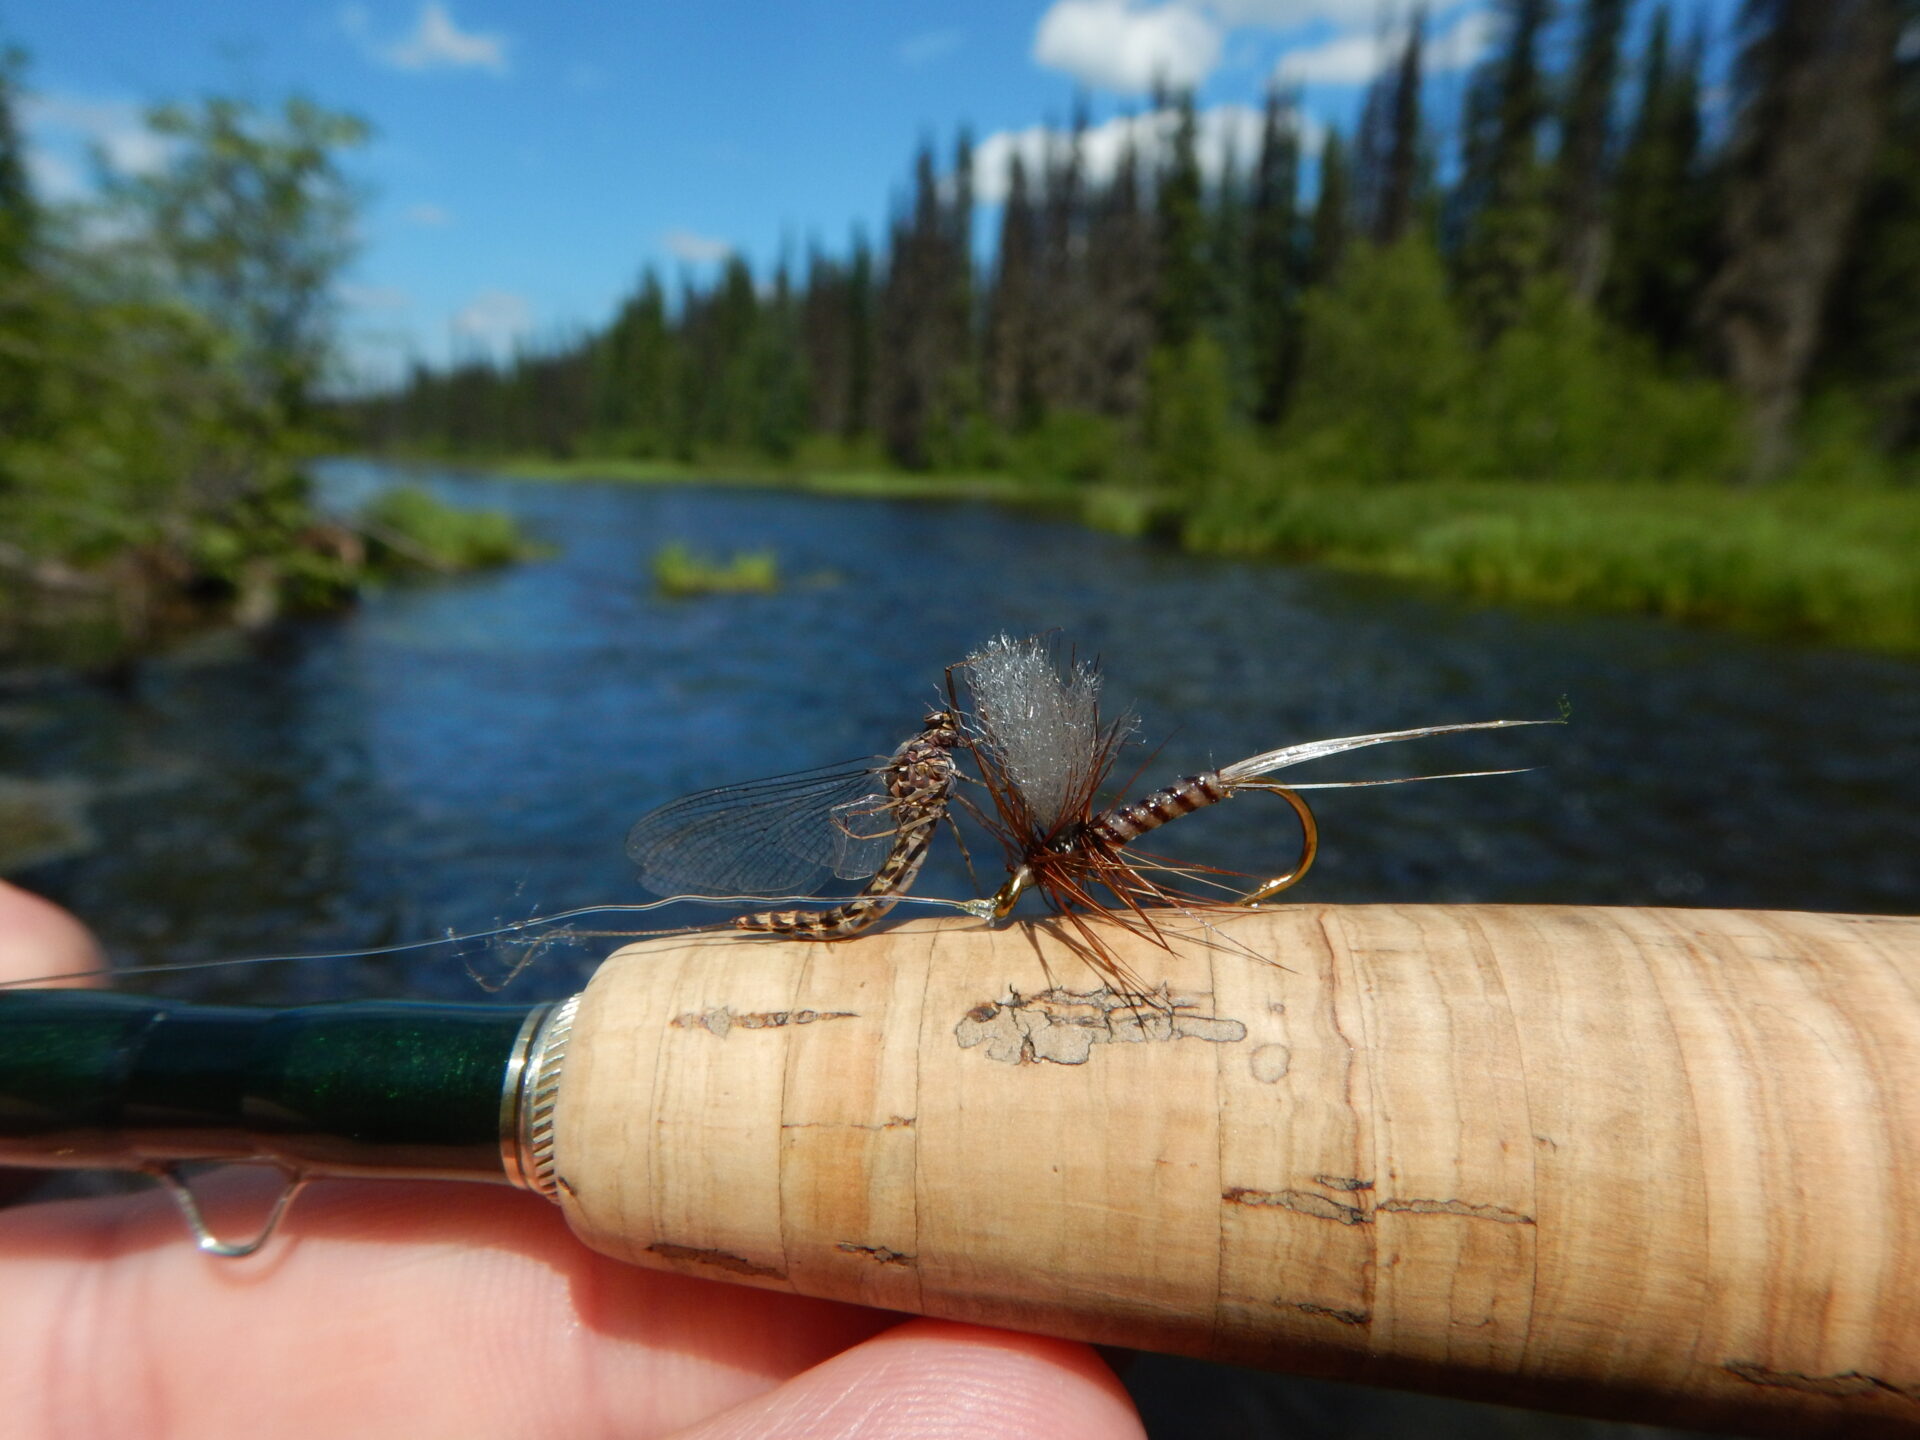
(848, 479)
(681, 572)
(408, 528)
(1838, 565)
(1833, 563)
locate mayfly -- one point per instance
(765, 837)
(1045, 755)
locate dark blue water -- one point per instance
(460, 752)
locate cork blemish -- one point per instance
(1323, 1207)
(1852, 1382)
(1328, 1312)
(892, 1122)
(879, 1254)
(722, 1021)
(1061, 1027)
(1269, 1063)
(716, 1259)
(1342, 1182)
(1497, 1213)
(1301, 1202)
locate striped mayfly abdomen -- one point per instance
(1129, 821)
(918, 781)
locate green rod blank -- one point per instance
(386, 1088)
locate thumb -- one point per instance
(933, 1378)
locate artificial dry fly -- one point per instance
(765, 837)
(1045, 754)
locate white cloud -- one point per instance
(1127, 47)
(695, 249)
(1343, 60)
(1462, 42)
(437, 42)
(1355, 58)
(494, 319)
(1291, 14)
(426, 213)
(54, 177)
(373, 299)
(61, 126)
(934, 45)
(1221, 130)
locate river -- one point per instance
(460, 752)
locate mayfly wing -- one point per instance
(863, 833)
(766, 837)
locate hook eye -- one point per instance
(1309, 848)
(1008, 895)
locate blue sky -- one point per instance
(529, 160)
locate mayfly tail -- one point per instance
(1237, 774)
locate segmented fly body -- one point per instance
(919, 784)
(871, 821)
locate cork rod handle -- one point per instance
(1661, 1164)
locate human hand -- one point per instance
(420, 1309)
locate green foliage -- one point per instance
(1189, 416)
(249, 221)
(1793, 562)
(1069, 445)
(680, 572)
(155, 375)
(1384, 369)
(1393, 390)
(1561, 395)
(409, 527)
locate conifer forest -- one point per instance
(1628, 317)
(1595, 271)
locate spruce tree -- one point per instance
(1121, 286)
(1227, 273)
(1872, 340)
(1661, 217)
(1332, 213)
(861, 339)
(1814, 76)
(1273, 257)
(1586, 147)
(1503, 190)
(1182, 289)
(21, 310)
(1012, 364)
(1060, 339)
(1390, 146)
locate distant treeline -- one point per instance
(1603, 275)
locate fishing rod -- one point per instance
(1656, 1164)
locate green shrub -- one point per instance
(680, 571)
(1189, 418)
(407, 526)
(1385, 367)
(1071, 445)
